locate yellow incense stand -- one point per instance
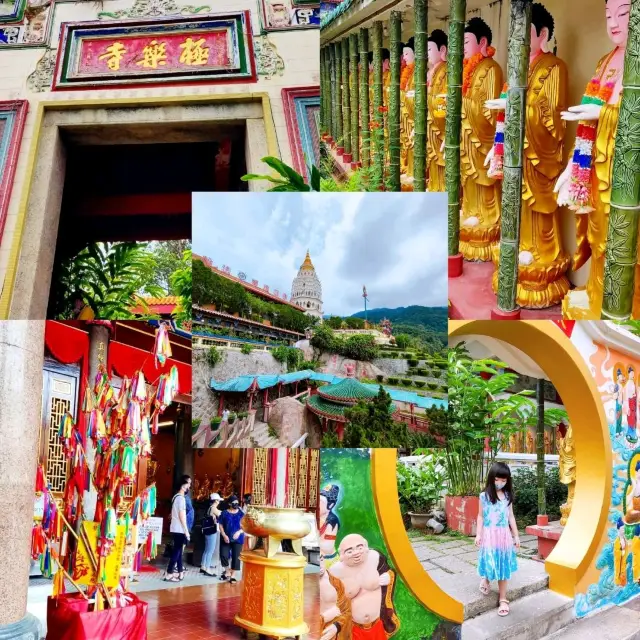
(273, 581)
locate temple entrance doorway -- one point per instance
(125, 172)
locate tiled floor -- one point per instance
(194, 613)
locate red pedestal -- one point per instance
(462, 513)
(340, 151)
(356, 165)
(548, 534)
(68, 618)
(347, 158)
(498, 314)
(455, 266)
(329, 139)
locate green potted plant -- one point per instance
(232, 418)
(481, 415)
(420, 488)
(215, 422)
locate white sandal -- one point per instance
(503, 608)
(485, 587)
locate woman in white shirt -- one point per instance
(210, 533)
(179, 531)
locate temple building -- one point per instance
(146, 103)
(306, 290)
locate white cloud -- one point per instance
(394, 243)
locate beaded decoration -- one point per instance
(496, 167)
(580, 190)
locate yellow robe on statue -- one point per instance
(542, 283)
(591, 228)
(481, 195)
(407, 127)
(343, 621)
(436, 118)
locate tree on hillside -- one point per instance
(370, 424)
(354, 323)
(335, 322)
(403, 340)
(167, 259)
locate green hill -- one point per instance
(428, 324)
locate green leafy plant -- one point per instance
(406, 382)
(413, 362)
(419, 383)
(287, 178)
(525, 487)
(246, 349)
(214, 356)
(181, 283)
(271, 430)
(380, 378)
(108, 278)
(195, 424)
(481, 414)
(392, 381)
(215, 422)
(290, 356)
(432, 386)
(420, 487)
(232, 418)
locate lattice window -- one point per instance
(260, 477)
(314, 478)
(57, 464)
(303, 474)
(292, 477)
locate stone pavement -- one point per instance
(451, 561)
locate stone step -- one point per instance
(463, 584)
(615, 623)
(532, 618)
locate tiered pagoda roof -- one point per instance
(332, 400)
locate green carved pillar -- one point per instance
(514, 129)
(323, 96)
(338, 84)
(621, 254)
(346, 106)
(453, 125)
(377, 178)
(420, 86)
(393, 117)
(334, 94)
(326, 92)
(363, 44)
(353, 95)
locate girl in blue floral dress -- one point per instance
(497, 534)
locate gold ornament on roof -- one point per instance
(307, 264)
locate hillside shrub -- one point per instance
(392, 380)
(380, 378)
(406, 382)
(419, 383)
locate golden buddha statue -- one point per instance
(632, 506)
(591, 200)
(481, 195)
(407, 114)
(436, 109)
(567, 469)
(543, 263)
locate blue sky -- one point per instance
(394, 243)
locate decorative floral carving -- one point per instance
(42, 77)
(153, 9)
(269, 62)
(277, 596)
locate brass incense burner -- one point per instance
(275, 524)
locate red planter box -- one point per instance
(462, 513)
(68, 618)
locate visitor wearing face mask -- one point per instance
(497, 534)
(232, 539)
(179, 530)
(210, 533)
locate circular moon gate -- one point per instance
(549, 347)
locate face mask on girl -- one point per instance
(500, 484)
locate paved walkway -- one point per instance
(451, 561)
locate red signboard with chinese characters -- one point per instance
(165, 53)
(215, 48)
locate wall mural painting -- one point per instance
(139, 52)
(302, 111)
(289, 14)
(359, 581)
(12, 118)
(619, 560)
(25, 22)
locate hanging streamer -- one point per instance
(162, 348)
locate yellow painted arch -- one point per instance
(419, 582)
(549, 347)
